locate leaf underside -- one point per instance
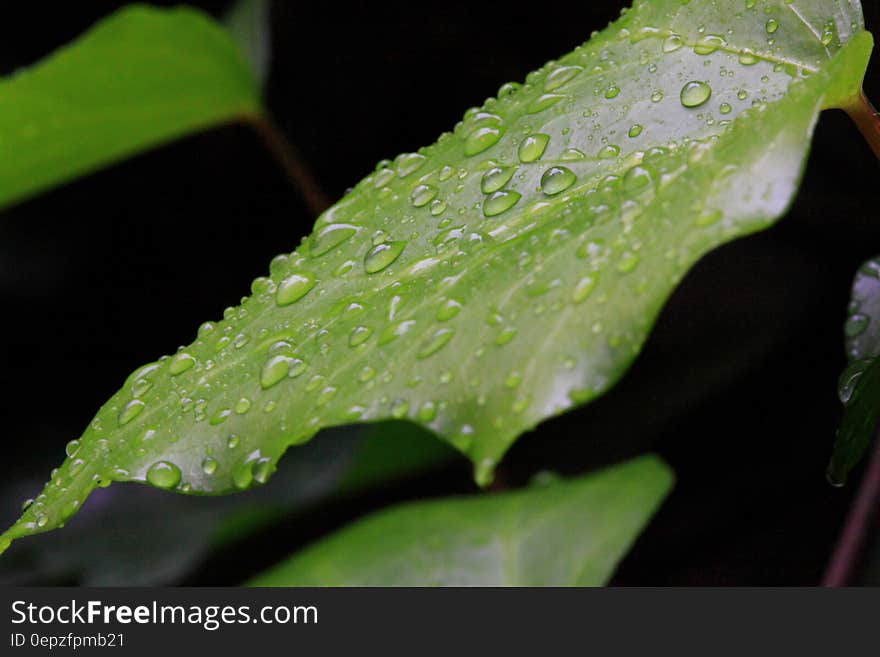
(137, 79)
(508, 272)
(569, 533)
(859, 385)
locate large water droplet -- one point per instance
(542, 102)
(329, 237)
(180, 363)
(708, 44)
(130, 411)
(481, 139)
(532, 147)
(695, 93)
(499, 202)
(556, 180)
(294, 287)
(771, 26)
(422, 195)
(382, 255)
(560, 76)
(163, 474)
(672, 43)
(496, 178)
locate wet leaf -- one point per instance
(137, 79)
(859, 385)
(138, 536)
(565, 533)
(508, 272)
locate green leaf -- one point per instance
(508, 272)
(859, 385)
(137, 536)
(137, 79)
(248, 23)
(571, 533)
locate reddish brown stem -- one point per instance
(858, 524)
(862, 112)
(293, 166)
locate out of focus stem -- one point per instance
(866, 117)
(290, 162)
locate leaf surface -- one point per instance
(859, 385)
(508, 272)
(137, 79)
(568, 533)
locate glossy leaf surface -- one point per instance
(504, 274)
(566, 533)
(137, 79)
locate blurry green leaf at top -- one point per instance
(138, 78)
(248, 23)
(859, 385)
(503, 275)
(564, 533)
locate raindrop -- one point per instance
(560, 76)
(130, 411)
(481, 139)
(672, 43)
(163, 474)
(496, 178)
(532, 147)
(695, 93)
(180, 363)
(771, 26)
(294, 287)
(556, 180)
(499, 202)
(209, 465)
(382, 255)
(329, 237)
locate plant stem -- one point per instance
(862, 112)
(855, 531)
(292, 165)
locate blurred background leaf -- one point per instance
(137, 79)
(553, 533)
(248, 23)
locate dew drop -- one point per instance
(771, 26)
(708, 44)
(543, 102)
(634, 131)
(382, 255)
(672, 43)
(130, 411)
(209, 465)
(436, 342)
(496, 178)
(294, 287)
(556, 180)
(163, 474)
(242, 406)
(612, 92)
(329, 237)
(422, 195)
(695, 93)
(72, 448)
(499, 202)
(399, 409)
(359, 335)
(481, 139)
(447, 310)
(560, 76)
(608, 152)
(583, 289)
(180, 363)
(532, 147)
(261, 469)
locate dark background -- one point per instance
(736, 387)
